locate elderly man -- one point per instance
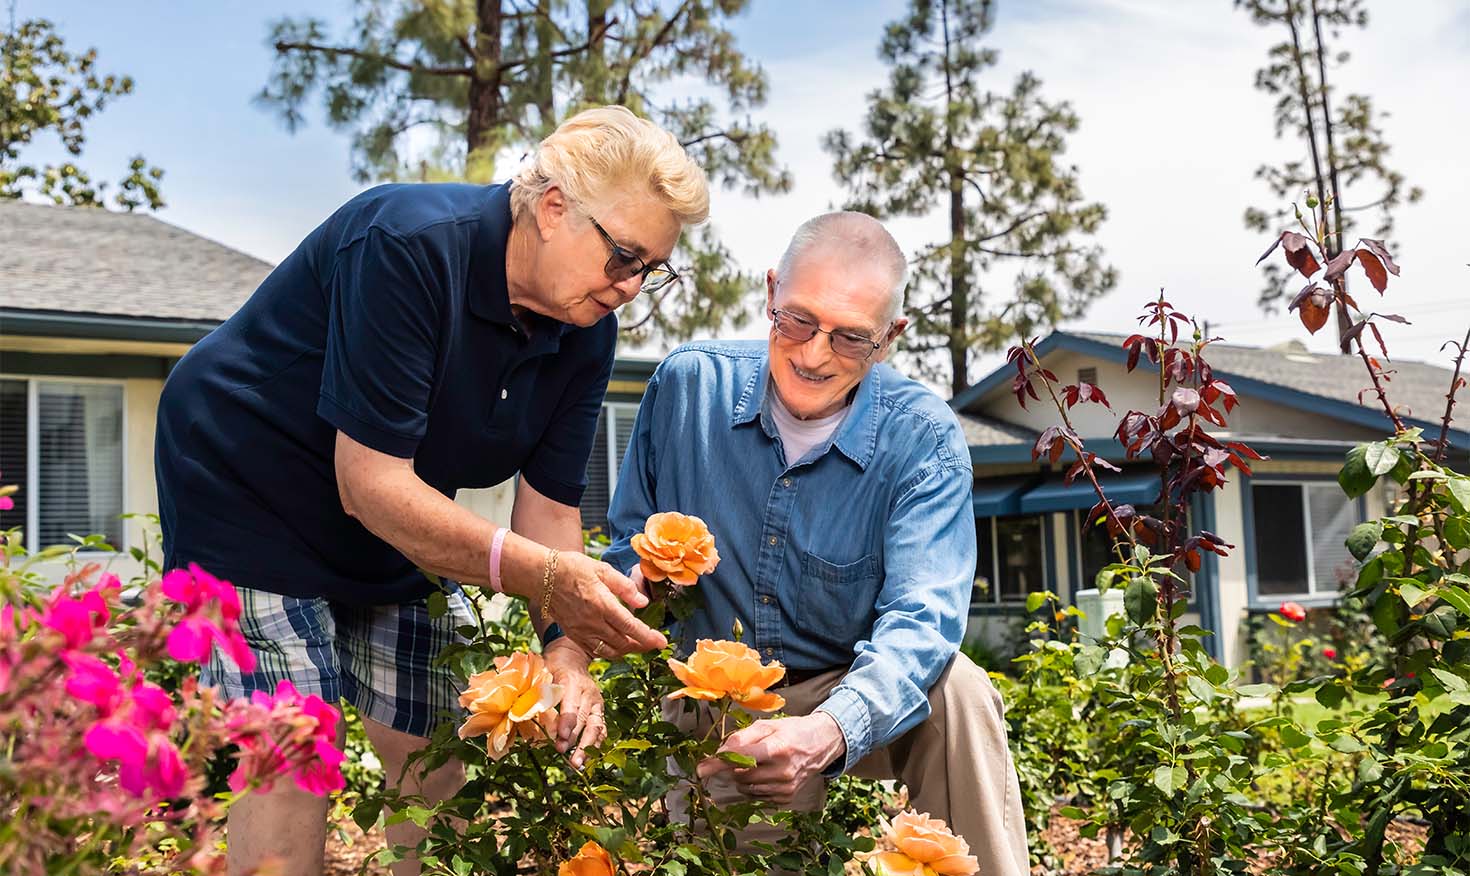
(840, 495)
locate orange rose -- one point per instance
(516, 698)
(590, 860)
(675, 546)
(926, 847)
(729, 669)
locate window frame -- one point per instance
(1312, 597)
(612, 411)
(32, 523)
(994, 601)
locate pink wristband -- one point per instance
(495, 545)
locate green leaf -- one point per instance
(1364, 537)
(1346, 745)
(1330, 695)
(1457, 597)
(1200, 688)
(1141, 599)
(1293, 737)
(1035, 601)
(1411, 592)
(1169, 779)
(1355, 477)
(366, 812)
(1369, 771)
(1256, 690)
(1451, 681)
(1386, 614)
(438, 604)
(1381, 457)
(740, 760)
(1459, 488)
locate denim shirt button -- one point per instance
(773, 540)
(786, 482)
(766, 600)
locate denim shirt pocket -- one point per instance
(836, 601)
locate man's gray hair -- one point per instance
(857, 237)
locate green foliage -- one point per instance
(1344, 159)
(1016, 215)
(45, 88)
(454, 89)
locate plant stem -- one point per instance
(1449, 405)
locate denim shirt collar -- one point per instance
(857, 438)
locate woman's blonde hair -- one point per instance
(600, 151)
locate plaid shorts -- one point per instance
(379, 658)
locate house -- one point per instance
(95, 309)
(1287, 520)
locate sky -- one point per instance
(1171, 132)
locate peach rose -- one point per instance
(675, 546)
(925, 847)
(590, 860)
(729, 669)
(516, 698)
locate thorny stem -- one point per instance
(1449, 405)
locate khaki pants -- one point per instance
(955, 765)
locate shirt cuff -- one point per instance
(851, 715)
(369, 435)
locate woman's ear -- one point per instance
(552, 211)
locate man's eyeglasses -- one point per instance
(624, 263)
(844, 343)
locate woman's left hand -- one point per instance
(581, 721)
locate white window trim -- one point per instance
(611, 412)
(33, 454)
(1311, 596)
(995, 597)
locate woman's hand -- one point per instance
(581, 721)
(588, 603)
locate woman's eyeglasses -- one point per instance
(624, 263)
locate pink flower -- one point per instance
(1293, 611)
(1329, 653)
(6, 503)
(307, 749)
(94, 682)
(212, 614)
(80, 618)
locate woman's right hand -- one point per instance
(588, 603)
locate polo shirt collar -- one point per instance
(857, 437)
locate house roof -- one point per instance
(982, 431)
(1289, 374)
(70, 261)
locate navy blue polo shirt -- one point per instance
(390, 322)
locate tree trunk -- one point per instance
(483, 117)
(1344, 321)
(959, 282)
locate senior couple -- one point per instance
(427, 338)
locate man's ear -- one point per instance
(892, 335)
(770, 290)
(553, 209)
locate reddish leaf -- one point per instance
(1374, 269)
(1393, 317)
(1299, 253)
(1313, 304)
(1339, 265)
(1270, 249)
(1219, 389)
(1378, 249)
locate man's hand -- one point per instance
(581, 720)
(788, 752)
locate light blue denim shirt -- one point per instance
(861, 553)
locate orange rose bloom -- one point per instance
(516, 698)
(675, 546)
(590, 860)
(926, 847)
(729, 669)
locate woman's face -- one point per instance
(572, 265)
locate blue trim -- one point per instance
(999, 497)
(1246, 386)
(1074, 554)
(1248, 520)
(1109, 448)
(1138, 488)
(1048, 546)
(77, 325)
(1207, 580)
(83, 365)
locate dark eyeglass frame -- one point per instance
(625, 263)
(802, 329)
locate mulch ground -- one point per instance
(348, 848)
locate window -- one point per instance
(614, 431)
(61, 442)
(1299, 531)
(1011, 559)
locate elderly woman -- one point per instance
(425, 338)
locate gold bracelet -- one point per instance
(548, 583)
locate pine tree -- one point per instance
(1345, 147)
(937, 140)
(459, 89)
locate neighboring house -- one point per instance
(1287, 521)
(95, 309)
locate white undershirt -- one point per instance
(799, 436)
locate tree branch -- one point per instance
(1449, 405)
(386, 61)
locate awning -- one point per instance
(1133, 488)
(999, 497)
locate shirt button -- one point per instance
(770, 652)
(504, 394)
(786, 482)
(773, 539)
(766, 600)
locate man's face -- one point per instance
(838, 296)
